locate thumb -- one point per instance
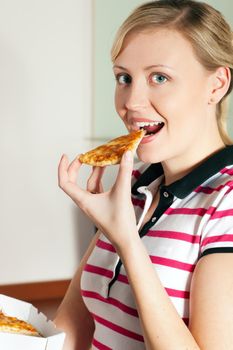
(125, 171)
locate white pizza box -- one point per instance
(53, 339)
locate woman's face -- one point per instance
(160, 81)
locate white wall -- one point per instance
(45, 110)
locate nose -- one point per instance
(137, 96)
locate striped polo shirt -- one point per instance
(194, 218)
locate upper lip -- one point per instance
(133, 121)
(136, 120)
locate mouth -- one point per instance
(151, 128)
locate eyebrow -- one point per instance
(146, 68)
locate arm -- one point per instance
(72, 315)
(211, 305)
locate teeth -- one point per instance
(142, 124)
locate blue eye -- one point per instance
(158, 78)
(123, 79)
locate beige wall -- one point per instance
(45, 110)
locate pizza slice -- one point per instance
(10, 324)
(112, 152)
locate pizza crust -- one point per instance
(9, 324)
(112, 152)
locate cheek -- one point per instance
(178, 106)
(119, 104)
(167, 99)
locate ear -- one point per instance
(219, 84)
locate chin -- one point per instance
(148, 157)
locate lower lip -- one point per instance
(150, 138)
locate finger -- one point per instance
(101, 188)
(73, 169)
(77, 194)
(62, 170)
(123, 180)
(73, 191)
(94, 184)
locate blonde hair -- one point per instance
(202, 25)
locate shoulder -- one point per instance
(222, 179)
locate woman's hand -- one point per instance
(112, 211)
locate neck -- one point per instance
(178, 167)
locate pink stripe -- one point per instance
(215, 239)
(136, 174)
(227, 171)
(222, 213)
(98, 270)
(99, 345)
(229, 190)
(122, 278)
(181, 236)
(138, 202)
(106, 246)
(127, 309)
(172, 263)
(186, 211)
(118, 329)
(211, 210)
(208, 190)
(230, 185)
(200, 211)
(177, 293)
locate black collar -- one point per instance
(184, 186)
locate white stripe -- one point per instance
(115, 315)
(173, 248)
(115, 340)
(217, 245)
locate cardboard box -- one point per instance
(52, 339)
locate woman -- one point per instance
(161, 279)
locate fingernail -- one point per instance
(128, 155)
